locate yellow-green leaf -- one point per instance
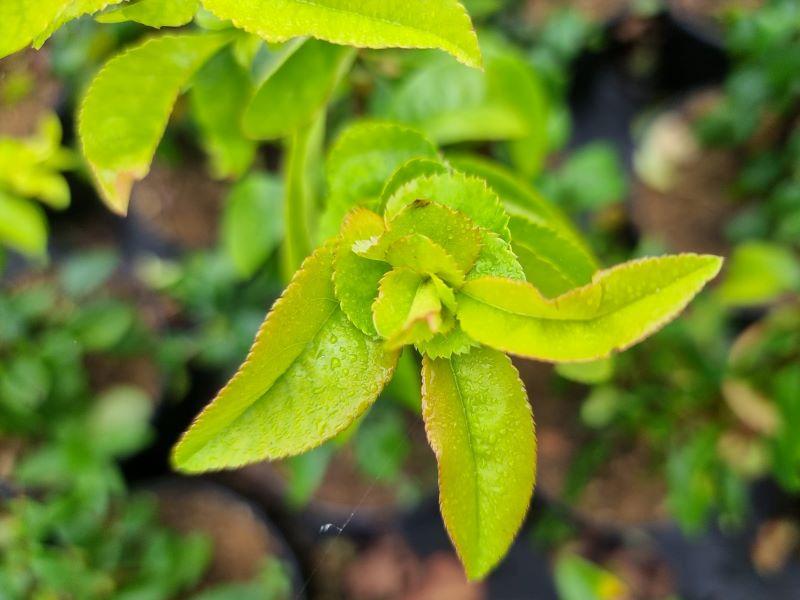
(126, 108)
(621, 306)
(309, 374)
(480, 427)
(407, 309)
(441, 24)
(153, 13)
(23, 225)
(424, 256)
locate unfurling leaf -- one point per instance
(309, 374)
(441, 24)
(127, 106)
(480, 427)
(621, 306)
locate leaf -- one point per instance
(496, 258)
(519, 198)
(551, 262)
(252, 224)
(126, 108)
(153, 13)
(590, 373)
(758, 273)
(468, 195)
(301, 176)
(407, 308)
(578, 579)
(409, 170)
(23, 22)
(441, 24)
(296, 90)
(23, 225)
(219, 94)
(479, 424)
(621, 306)
(425, 257)
(364, 156)
(355, 278)
(309, 374)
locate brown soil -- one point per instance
(389, 570)
(537, 11)
(242, 540)
(627, 490)
(181, 205)
(109, 371)
(691, 206)
(10, 450)
(20, 117)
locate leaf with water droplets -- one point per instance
(479, 424)
(309, 374)
(620, 307)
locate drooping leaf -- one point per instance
(220, 91)
(480, 427)
(296, 89)
(364, 156)
(23, 225)
(153, 13)
(468, 195)
(126, 108)
(302, 174)
(309, 375)
(252, 224)
(519, 198)
(621, 306)
(442, 24)
(355, 278)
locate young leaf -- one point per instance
(23, 225)
(409, 170)
(407, 309)
(297, 89)
(309, 375)
(355, 278)
(496, 258)
(468, 195)
(127, 106)
(621, 306)
(480, 427)
(362, 159)
(441, 24)
(219, 94)
(153, 13)
(302, 174)
(424, 256)
(252, 225)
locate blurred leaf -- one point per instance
(220, 92)
(23, 225)
(596, 371)
(153, 13)
(83, 273)
(758, 273)
(252, 224)
(296, 89)
(126, 108)
(382, 445)
(103, 325)
(306, 472)
(442, 24)
(578, 579)
(119, 421)
(591, 178)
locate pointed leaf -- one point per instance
(459, 192)
(424, 256)
(153, 13)
(355, 278)
(127, 106)
(480, 427)
(442, 24)
(309, 375)
(621, 306)
(297, 89)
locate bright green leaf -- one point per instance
(23, 225)
(309, 374)
(424, 256)
(409, 170)
(578, 579)
(759, 272)
(621, 306)
(496, 258)
(480, 427)
(296, 90)
(219, 94)
(153, 13)
(442, 24)
(126, 108)
(407, 309)
(590, 373)
(252, 225)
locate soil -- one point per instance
(241, 538)
(599, 11)
(387, 569)
(20, 116)
(181, 205)
(687, 206)
(609, 497)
